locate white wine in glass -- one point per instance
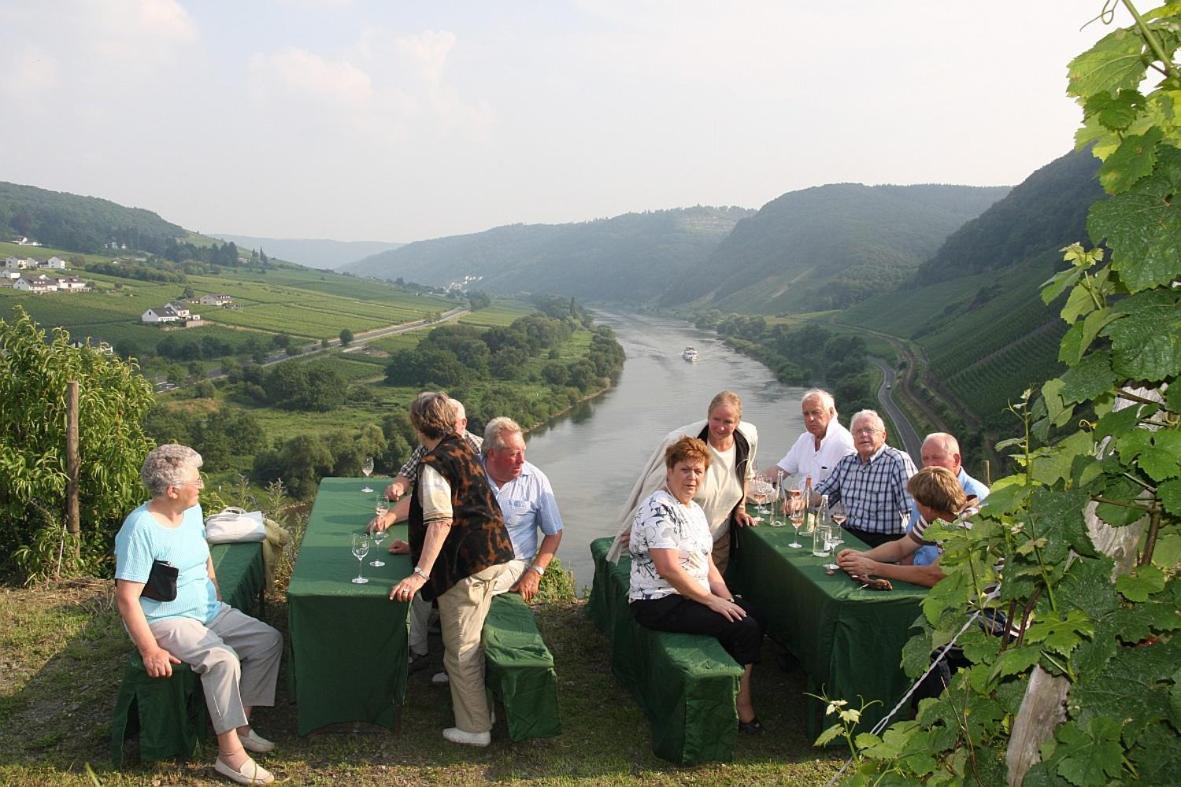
(360, 550)
(367, 469)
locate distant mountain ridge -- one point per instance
(77, 223)
(628, 258)
(313, 253)
(830, 246)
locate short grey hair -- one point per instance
(495, 430)
(165, 466)
(824, 396)
(459, 410)
(863, 414)
(947, 443)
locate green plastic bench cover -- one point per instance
(519, 669)
(686, 683)
(169, 713)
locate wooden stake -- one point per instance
(73, 464)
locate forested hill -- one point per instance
(975, 307)
(1049, 207)
(628, 258)
(829, 247)
(76, 223)
(314, 253)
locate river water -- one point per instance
(594, 454)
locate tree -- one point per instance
(114, 400)
(1083, 545)
(346, 337)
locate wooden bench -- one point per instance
(169, 713)
(519, 669)
(686, 683)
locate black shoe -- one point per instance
(752, 727)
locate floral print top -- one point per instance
(662, 522)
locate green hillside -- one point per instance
(314, 253)
(974, 308)
(85, 224)
(829, 247)
(628, 258)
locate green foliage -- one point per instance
(556, 585)
(34, 374)
(1106, 433)
(346, 337)
(298, 386)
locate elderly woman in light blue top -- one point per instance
(236, 656)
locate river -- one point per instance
(593, 454)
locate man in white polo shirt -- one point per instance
(824, 441)
(527, 502)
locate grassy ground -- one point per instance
(61, 657)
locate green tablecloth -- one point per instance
(520, 670)
(686, 683)
(848, 640)
(169, 713)
(348, 642)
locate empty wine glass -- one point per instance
(833, 538)
(360, 550)
(381, 506)
(367, 469)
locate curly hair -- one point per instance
(165, 466)
(686, 449)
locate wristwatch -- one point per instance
(425, 576)
(540, 571)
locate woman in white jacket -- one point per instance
(732, 444)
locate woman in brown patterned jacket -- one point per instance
(459, 548)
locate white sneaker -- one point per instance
(440, 679)
(253, 742)
(456, 735)
(250, 772)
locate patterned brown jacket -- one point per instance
(478, 538)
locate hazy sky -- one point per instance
(399, 120)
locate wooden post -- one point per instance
(73, 464)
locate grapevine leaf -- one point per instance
(1134, 159)
(1142, 621)
(1157, 756)
(1007, 495)
(829, 735)
(1170, 495)
(1087, 586)
(1115, 112)
(1173, 399)
(1089, 758)
(1175, 700)
(1015, 661)
(1169, 440)
(1091, 377)
(1117, 422)
(1143, 347)
(1112, 64)
(1093, 655)
(1042, 775)
(1167, 552)
(1094, 322)
(1071, 348)
(1058, 517)
(1143, 226)
(1061, 636)
(1056, 463)
(1052, 395)
(916, 654)
(1159, 464)
(1078, 303)
(1132, 444)
(1060, 282)
(1141, 583)
(1130, 688)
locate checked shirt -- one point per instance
(874, 492)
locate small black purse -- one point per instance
(161, 584)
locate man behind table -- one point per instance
(871, 483)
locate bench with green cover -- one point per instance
(169, 713)
(519, 670)
(686, 683)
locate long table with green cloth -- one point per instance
(348, 642)
(169, 713)
(847, 639)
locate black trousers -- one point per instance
(742, 639)
(874, 539)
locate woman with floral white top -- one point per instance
(675, 586)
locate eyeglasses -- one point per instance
(199, 483)
(867, 430)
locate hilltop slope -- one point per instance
(628, 258)
(313, 253)
(829, 247)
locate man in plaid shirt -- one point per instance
(871, 483)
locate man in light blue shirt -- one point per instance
(942, 450)
(528, 504)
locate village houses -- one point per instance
(169, 313)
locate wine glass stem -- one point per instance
(360, 567)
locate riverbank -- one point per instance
(63, 649)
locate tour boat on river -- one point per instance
(689, 354)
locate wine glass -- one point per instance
(833, 538)
(367, 469)
(360, 550)
(382, 506)
(796, 513)
(838, 514)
